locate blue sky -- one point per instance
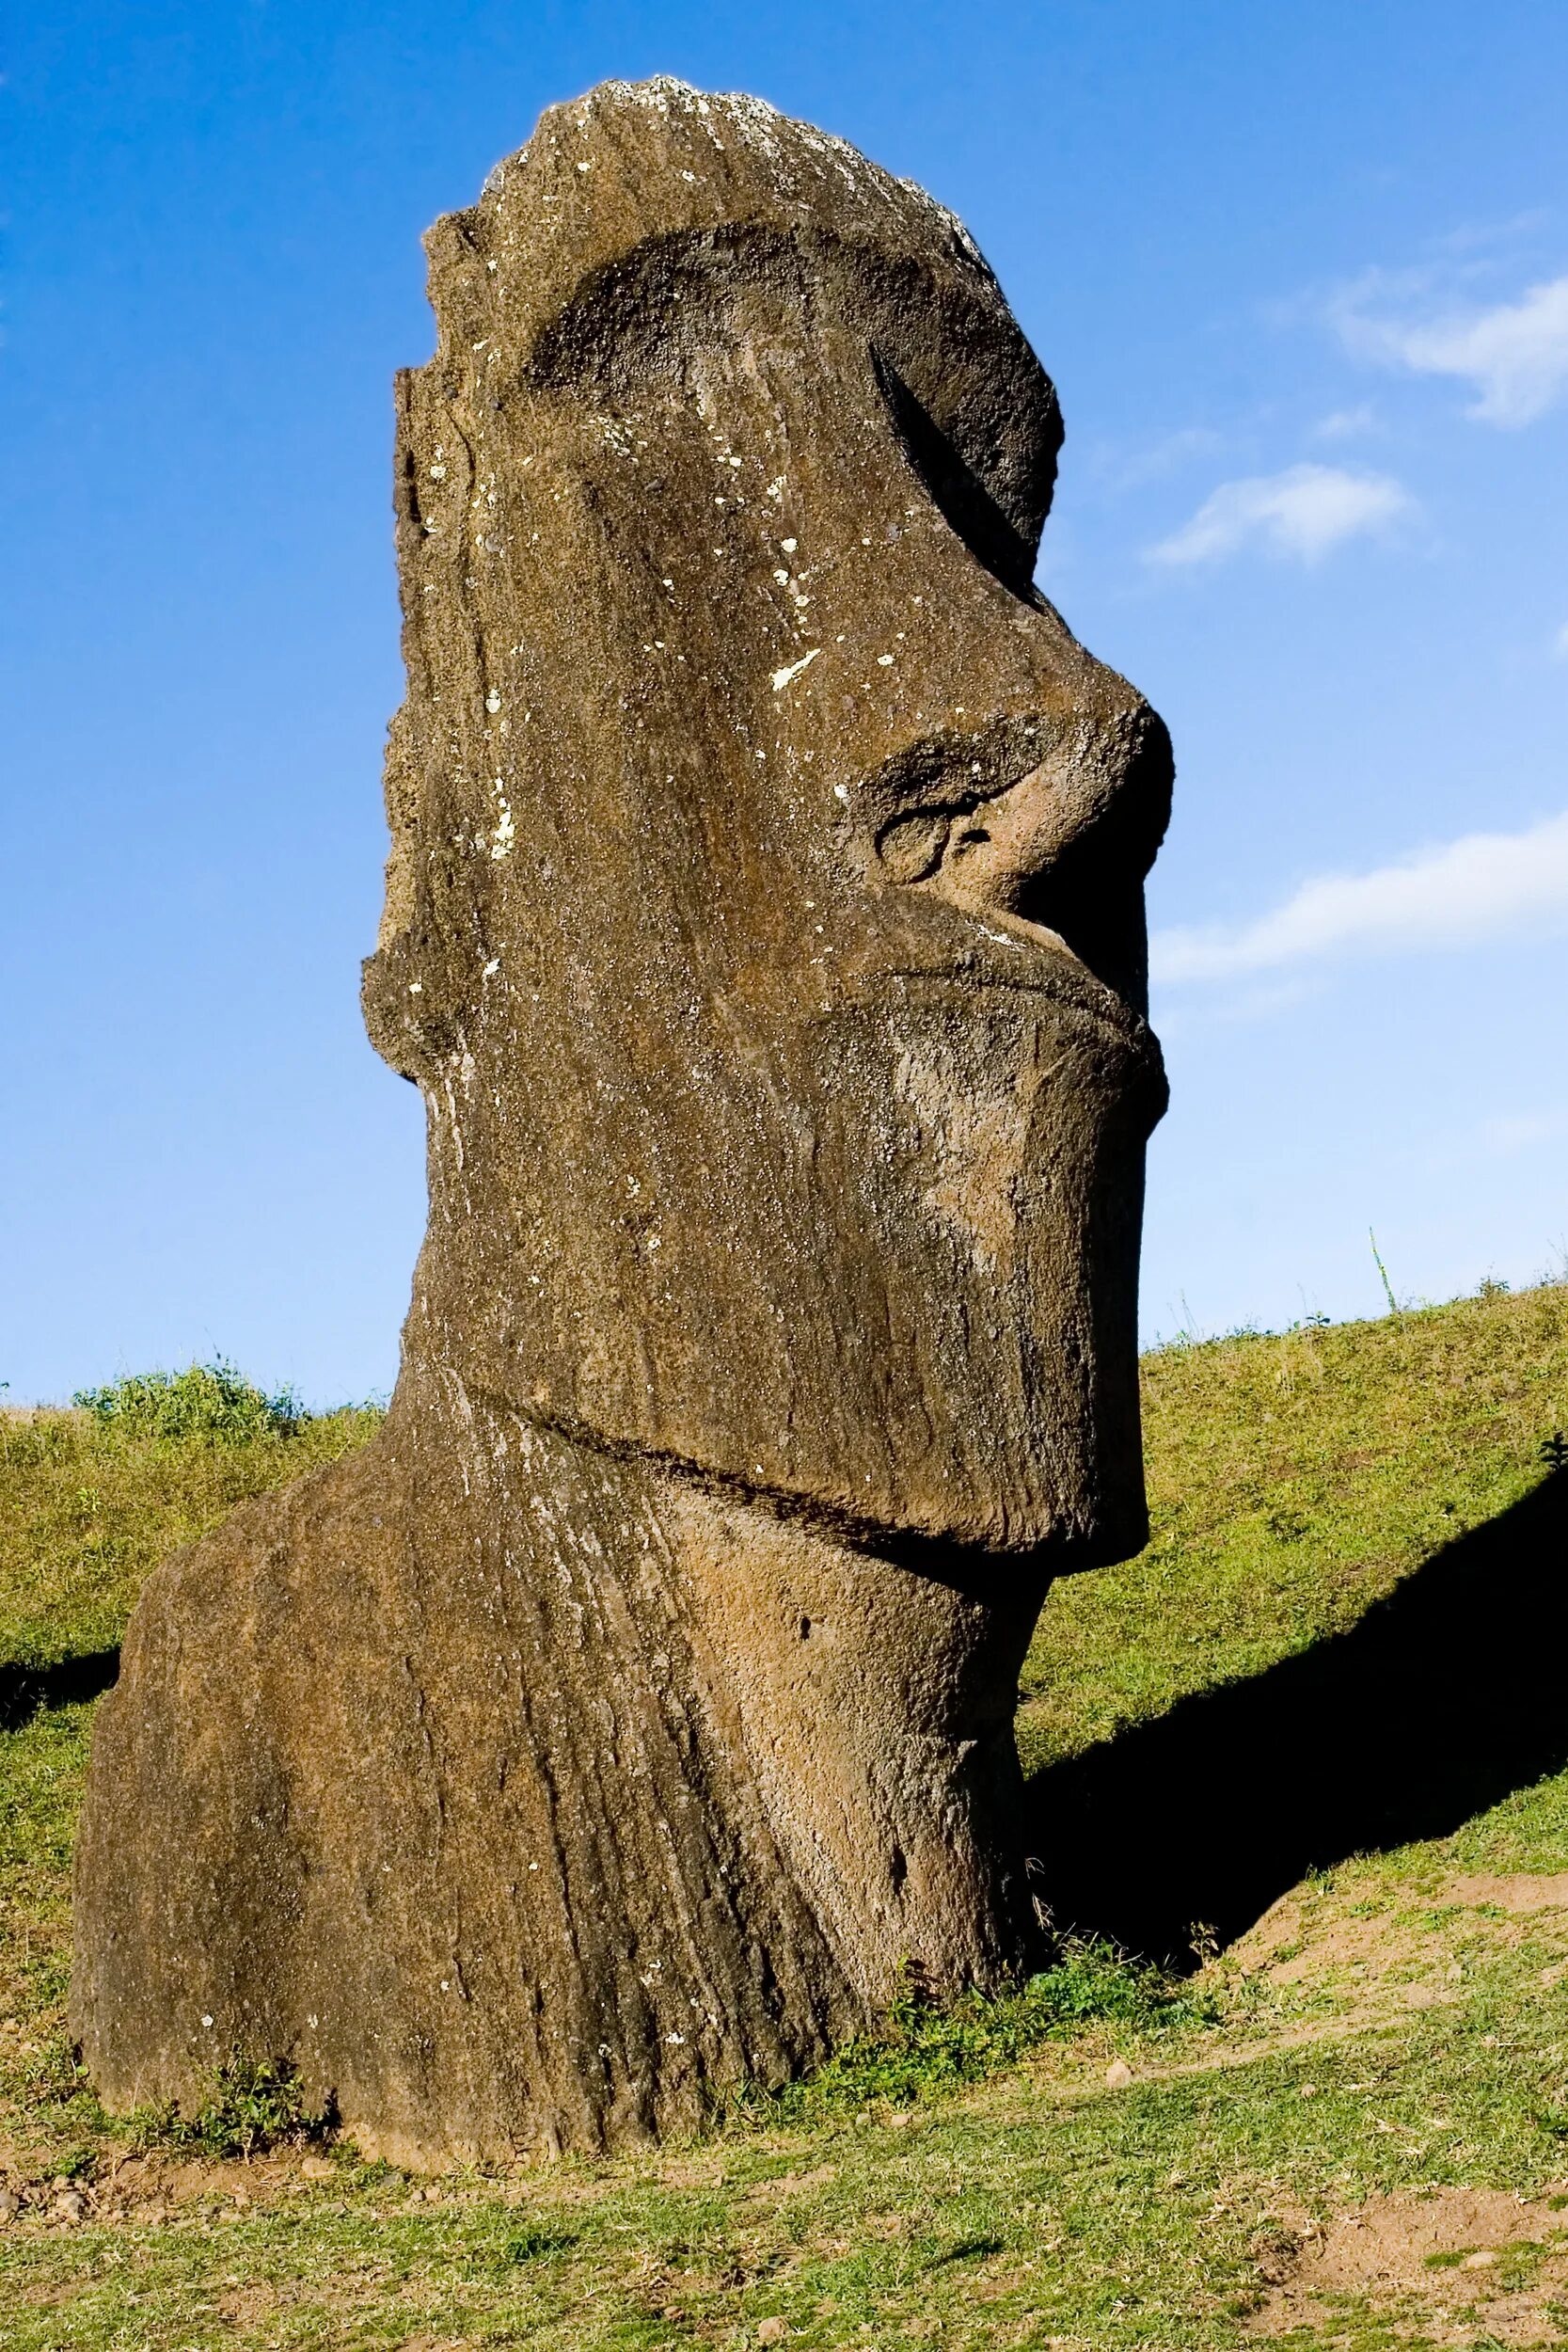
(1301, 275)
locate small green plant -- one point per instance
(926, 2047)
(255, 2103)
(526, 2246)
(212, 1401)
(1382, 1273)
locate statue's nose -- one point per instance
(1066, 847)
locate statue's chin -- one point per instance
(874, 1265)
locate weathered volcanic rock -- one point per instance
(764, 931)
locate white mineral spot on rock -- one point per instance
(793, 670)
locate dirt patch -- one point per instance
(147, 2189)
(1301, 1939)
(1520, 1892)
(780, 2185)
(1442, 2267)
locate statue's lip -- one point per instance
(1049, 969)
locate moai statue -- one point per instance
(765, 931)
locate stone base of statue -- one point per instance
(520, 1798)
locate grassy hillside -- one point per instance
(1314, 1737)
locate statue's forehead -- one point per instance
(634, 161)
(650, 239)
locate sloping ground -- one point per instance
(1319, 1729)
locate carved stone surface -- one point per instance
(764, 931)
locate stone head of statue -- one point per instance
(764, 911)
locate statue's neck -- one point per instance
(867, 1703)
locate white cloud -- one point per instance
(1560, 642)
(1509, 1135)
(1481, 887)
(1347, 424)
(1515, 355)
(1130, 465)
(1303, 512)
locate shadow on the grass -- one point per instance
(1447, 1695)
(26, 1691)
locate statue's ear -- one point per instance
(391, 1014)
(411, 987)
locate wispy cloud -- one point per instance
(1127, 466)
(1347, 424)
(1560, 642)
(1515, 354)
(1481, 887)
(1505, 1135)
(1301, 513)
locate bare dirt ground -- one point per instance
(1381, 1957)
(1442, 2266)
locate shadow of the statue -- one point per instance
(1444, 1698)
(26, 1691)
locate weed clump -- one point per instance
(926, 2047)
(253, 2105)
(214, 1401)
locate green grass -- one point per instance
(968, 2179)
(1293, 1480)
(91, 1500)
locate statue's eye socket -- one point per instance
(965, 502)
(911, 848)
